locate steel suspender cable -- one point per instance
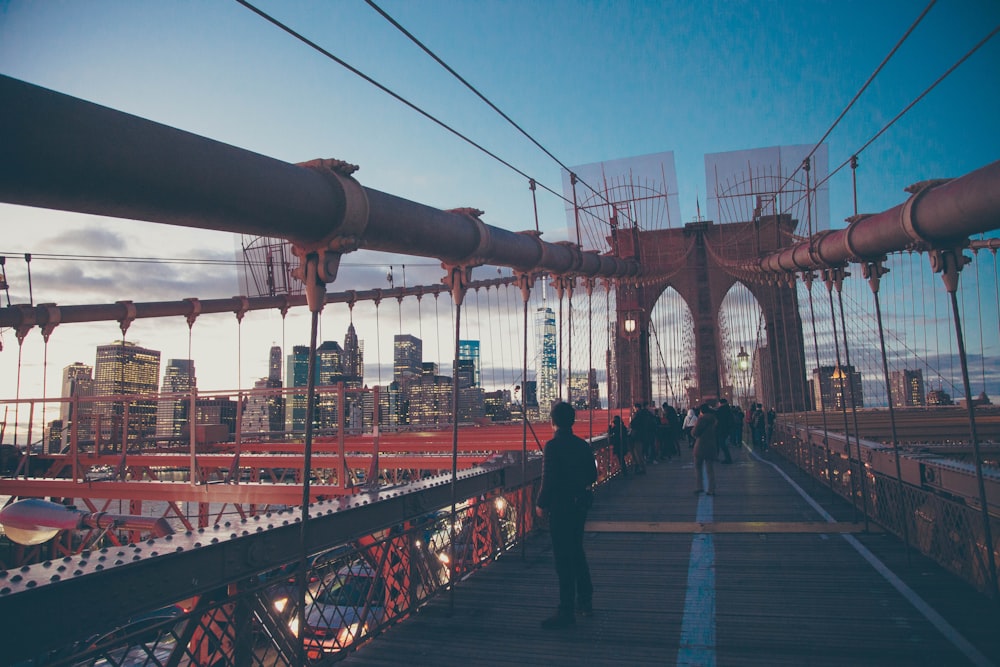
(378, 347)
(303, 570)
(454, 447)
(818, 390)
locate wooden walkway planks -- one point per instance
(780, 597)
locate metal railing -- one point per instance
(228, 594)
(933, 504)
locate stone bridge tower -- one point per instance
(700, 267)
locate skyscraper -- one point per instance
(124, 368)
(834, 385)
(545, 327)
(172, 411)
(468, 350)
(329, 372)
(585, 390)
(274, 365)
(407, 358)
(297, 375)
(907, 388)
(77, 382)
(354, 357)
(264, 410)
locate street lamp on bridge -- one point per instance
(34, 521)
(743, 363)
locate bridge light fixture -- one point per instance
(743, 359)
(630, 325)
(33, 521)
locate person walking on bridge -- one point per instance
(568, 472)
(705, 448)
(642, 432)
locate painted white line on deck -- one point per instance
(928, 612)
(697, 646)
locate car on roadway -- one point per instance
(343, 609)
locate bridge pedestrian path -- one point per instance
(772, 570)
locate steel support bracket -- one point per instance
(873, 270)
(457, 279)
(948, 262)
(525, 281)
(125, 321)
(195, 311)
(53, 317)
(834, 277)
(241, 307)
(28, 320)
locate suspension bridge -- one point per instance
(829, 327)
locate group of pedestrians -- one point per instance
(652, 435)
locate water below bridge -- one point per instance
(771, 570)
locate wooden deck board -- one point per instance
(788, 589)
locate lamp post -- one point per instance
(33, 521)
(743, 363)
(630, 330)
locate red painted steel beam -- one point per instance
(182, 461)
(23, 315)
(64, 153)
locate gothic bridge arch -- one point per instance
(697, 262)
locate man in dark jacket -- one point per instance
(568, 471)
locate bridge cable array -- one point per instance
(313, 45)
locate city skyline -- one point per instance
(713, 86)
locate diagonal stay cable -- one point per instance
(472, 88)
(316, 47)
(857, 95)
(906, 109)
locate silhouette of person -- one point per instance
(568, 471)
(705, 447)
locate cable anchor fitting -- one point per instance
(873, 270)
(125, 321)
(948, 262)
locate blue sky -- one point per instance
(591, 81)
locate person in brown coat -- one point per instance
(705, 447)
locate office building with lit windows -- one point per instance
(907, 388)
(833, 385)
(407, 358)
(126, 369)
